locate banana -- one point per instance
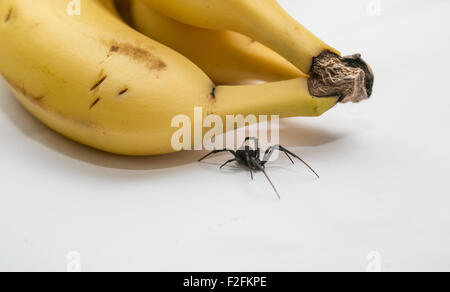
(226, 57)
(97, 81)
(268, 23)
(263, 20)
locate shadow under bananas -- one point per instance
(291, 134)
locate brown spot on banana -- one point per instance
(138, 54)
(8, 16)
(98, 83)
(213, 92)
(123, 91)
(95, 103)
(114, 49)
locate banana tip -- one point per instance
(349, 77)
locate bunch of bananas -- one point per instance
(116, 85)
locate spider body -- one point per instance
(248, 157)
(251, 158)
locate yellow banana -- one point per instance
(262, 20)
(95, 80)
(268, 23)
(227, 57)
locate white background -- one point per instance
(384, 168)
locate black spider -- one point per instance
(250, 158)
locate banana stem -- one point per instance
(289, 98)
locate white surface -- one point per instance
(384, 166)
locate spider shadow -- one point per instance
(282, 163)
(292, 134)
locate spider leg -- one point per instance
(286, 151)
(229, 161)
(261, 168)
(252, 139)
(287, 154)
(247, 160)
(218, 151)
(269, 153)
